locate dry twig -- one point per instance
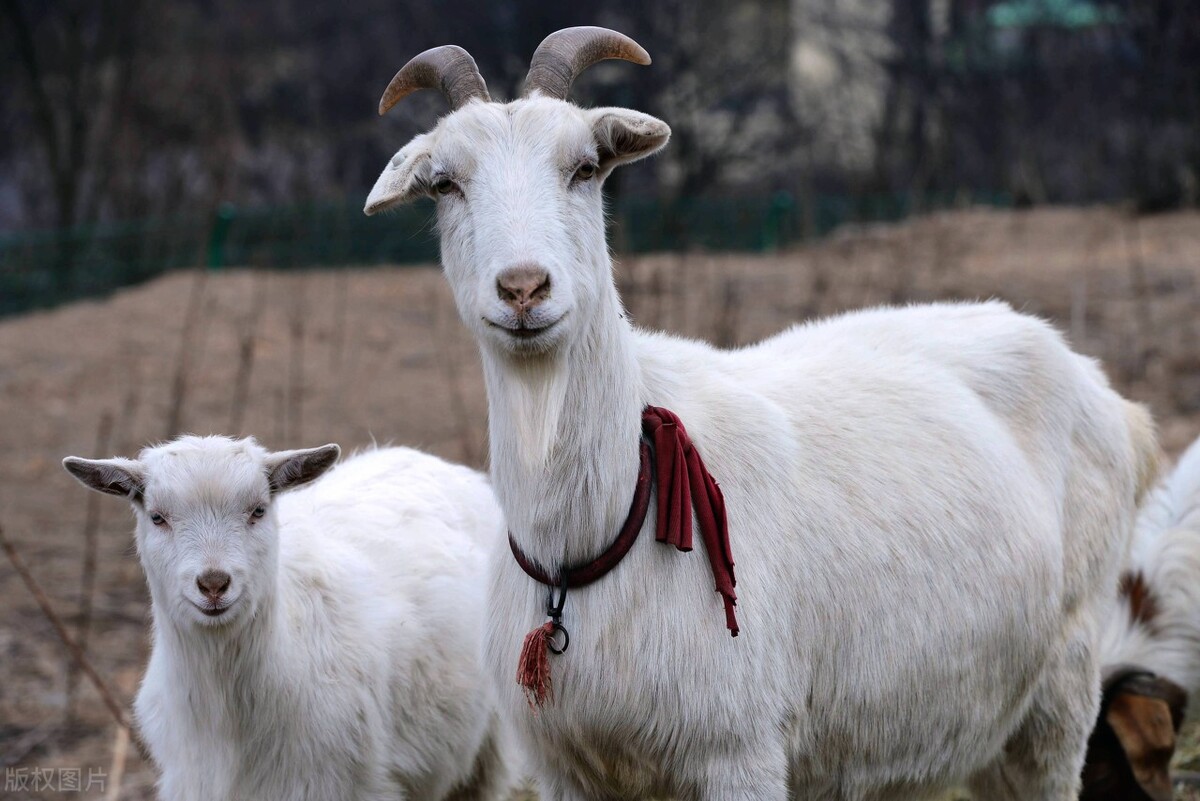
(1143, 350)
(87, 579)
(184, 361)
(247, 343)
(725, 330)
(29, 741)
(122, 435)
(295, 390)
(81, 659)
(116, 771)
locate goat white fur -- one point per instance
(928, 508)
(1157, 625)
(346, 662)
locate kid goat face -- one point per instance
(206, 530)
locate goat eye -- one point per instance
(444, 186)
(258, 512)
(158, 519)
(585, 171)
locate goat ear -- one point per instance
(121, 477)
(623, 135)
(288, 469)
(405, 179)
(1145, 727)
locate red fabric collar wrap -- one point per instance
(683, 483)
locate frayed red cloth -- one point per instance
(683, 484)
(533, 668)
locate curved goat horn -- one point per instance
(564, 54)
(449, 68)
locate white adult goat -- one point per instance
(1151, 646)
(928, 506)
(316, 644)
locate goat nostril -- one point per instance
(213, 583)
(523, 285)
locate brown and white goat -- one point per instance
(1151, 647)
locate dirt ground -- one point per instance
(362, 355)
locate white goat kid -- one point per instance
(928, 507)
(317, 644)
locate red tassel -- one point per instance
(533, 669)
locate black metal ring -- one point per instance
(566, 638)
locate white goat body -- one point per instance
(353, 670)
(927, 510)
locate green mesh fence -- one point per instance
(45, 268)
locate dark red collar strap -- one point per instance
(581, 575)
(684, 483)
(533, 666)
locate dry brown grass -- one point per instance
(378, 354)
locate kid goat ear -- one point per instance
(288, 469)
(121, 477)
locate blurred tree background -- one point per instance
(128, 109)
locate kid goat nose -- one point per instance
(523, 286)
(213, 583)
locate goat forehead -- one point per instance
(216, 446)
(537, 129)
(215, 478)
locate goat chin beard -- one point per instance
(536, 390)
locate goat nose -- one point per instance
(523, 286)
(213, 583)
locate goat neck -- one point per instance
(564, 429)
